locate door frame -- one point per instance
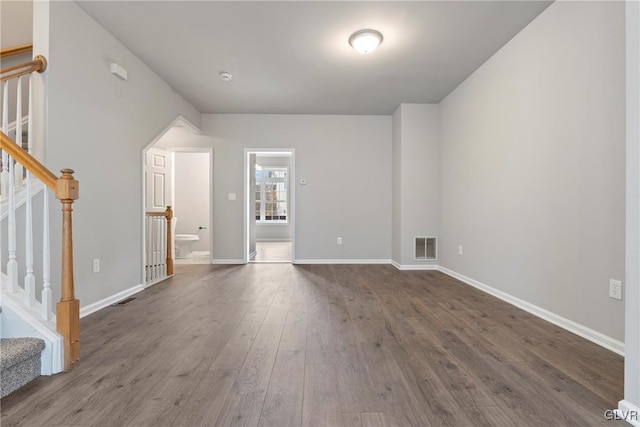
(247, 195)
(179, 120)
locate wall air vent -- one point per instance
(425, 248)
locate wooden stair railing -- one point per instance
(36, 65)
(159, 259)
(16, 50)
(66, 189)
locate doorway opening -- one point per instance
(177, 184)
(269, 205)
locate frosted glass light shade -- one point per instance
(365, 41)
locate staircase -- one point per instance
(34, 340)
(19, 362)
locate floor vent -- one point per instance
(426, 248)
(124, 301)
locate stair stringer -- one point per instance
(18, 320)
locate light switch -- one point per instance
(232, 196)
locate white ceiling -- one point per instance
(294, 57)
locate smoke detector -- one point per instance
(225, 76)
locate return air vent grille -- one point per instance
(426, 248)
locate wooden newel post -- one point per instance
(68, 309)
(169, 216)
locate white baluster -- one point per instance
(5, 129)
(146, 237)
(18, 168)
(12, 264)
(29, 278)
(47, 304)
(163, 246)
(30, 117)
(155, 248)
(159, 243)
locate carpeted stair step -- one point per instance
(19, 362)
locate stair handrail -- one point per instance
(37, 64)
(66, 189)
(16, 50)
(38, 170)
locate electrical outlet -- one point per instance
(615, 289)
(460, 250)
(339, 240)
(96, 265)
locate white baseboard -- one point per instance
(99, 305)
(341, 261)
(155, 282)
(228, 261)
(200, 253)
(275, 239)
(414, 267)
(628, 412)
(571, 326)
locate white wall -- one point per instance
(532, 166)
(98, 125)
(416, 183)
(632, 276)
(346, 160)
(16, 23)
(192, 196)
(267, 232)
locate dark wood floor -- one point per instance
(283, 345)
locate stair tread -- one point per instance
(15, 350)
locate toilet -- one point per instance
(183, 242)
(183, 245)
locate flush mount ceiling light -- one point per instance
(365, 41)
(225, 76)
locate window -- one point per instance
(272, 194)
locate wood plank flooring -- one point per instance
(322, 345)
(272, 252)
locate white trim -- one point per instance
(624, 407)
(342, 261)
(200, 253)
(405, 267)
(291, 214)
(155, 282)
(12, 125)
(52, 355)
(99, 305)
(571, 326)
(228, 261)
(275, 239)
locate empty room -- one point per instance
(319, 213)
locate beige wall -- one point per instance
(346, 160)
(532, 166)
(100, 129)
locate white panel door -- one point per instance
(158, 176)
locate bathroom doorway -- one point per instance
(177, 173)
(269, 205)
(192, 178)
